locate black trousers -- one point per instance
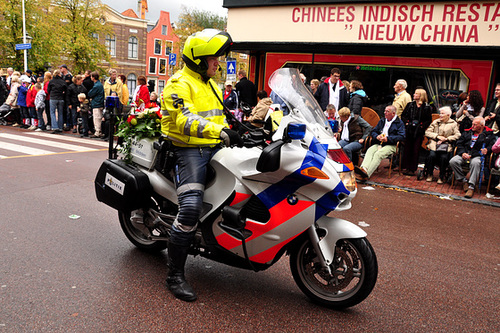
(441, 158)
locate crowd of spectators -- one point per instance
(53, 101)
(458, 137)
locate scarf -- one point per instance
(387, 125)
(345, 130)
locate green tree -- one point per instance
(62, 32)
(82, 20)
(193, 20)
(39, 25)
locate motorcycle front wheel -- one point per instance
(138, 237)
(353, 273)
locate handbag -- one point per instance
(442, 147)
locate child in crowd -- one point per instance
(40, 106)
(30, 104)
(333, 118)
(21, 101)
(154, 99)
(84, 110)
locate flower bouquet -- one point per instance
(139, 125)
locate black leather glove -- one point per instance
(231, 138)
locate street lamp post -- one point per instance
(26, 39)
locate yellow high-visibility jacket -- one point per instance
(191, 113)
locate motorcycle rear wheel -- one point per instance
(137, 237)
(354, 273)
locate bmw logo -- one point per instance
(292, 199)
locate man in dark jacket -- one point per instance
(4, 92)
(353, 132)
(332, 91)
(472, 144)
(388, 132)
(96, 94)
(57, 89)
(230, 96)
(68, 78)
(247, 92)
(87, 81)
(72, 101)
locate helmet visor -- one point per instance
(216, 44)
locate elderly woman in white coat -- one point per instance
(442, 134)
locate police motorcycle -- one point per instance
(261, 201)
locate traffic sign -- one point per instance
(172, 59)
(26, 46)
(231, 67)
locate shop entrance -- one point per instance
(378, 81)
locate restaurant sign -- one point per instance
(441, 23)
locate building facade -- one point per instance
(162, 44)
(127, 46)
(444, 46)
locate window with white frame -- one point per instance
(162, 70)
(164, 30)
(152, 66)
(157, 46)
(161, 86)
(131, 84)
(132, 47)
(111, 44)
(169, 45)
(152, 83)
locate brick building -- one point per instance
(127, 45)
(161, 42)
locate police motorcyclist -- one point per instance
(193, 120)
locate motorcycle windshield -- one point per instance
(286, 83)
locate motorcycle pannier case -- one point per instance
(122, 186)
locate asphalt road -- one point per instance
(439, 264)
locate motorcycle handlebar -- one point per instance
(254, 138)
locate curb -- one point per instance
(437, 194)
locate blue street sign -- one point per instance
(231, 67)
(26, 46)
(172, 59)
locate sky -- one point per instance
(172, 6)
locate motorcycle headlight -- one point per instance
(349, 180)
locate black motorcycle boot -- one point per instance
(176, 282)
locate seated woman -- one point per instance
(258, 116)
(353, 131)
(442, 133)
